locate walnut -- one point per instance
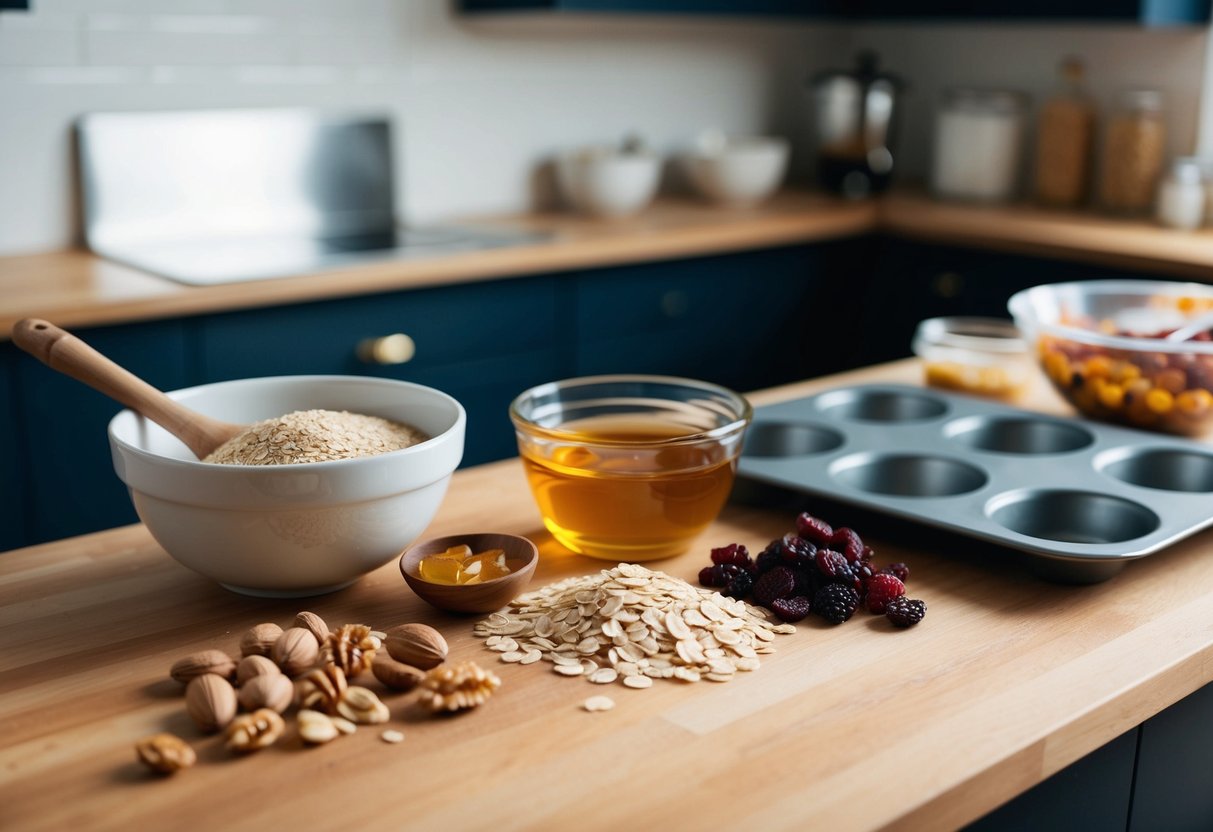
(314, 623)
(259, 639)
(321, 689)
(204, 661)
(456, 687)
(165, 753)
(251, 732)
(295, 651)
(351, 648)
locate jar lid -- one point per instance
(1191, 170)
(988, 335)
(977, 99)
(1147, 101)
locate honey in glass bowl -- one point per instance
(629, 468)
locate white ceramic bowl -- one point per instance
(291, 530)
(738, 171)
(606, 182)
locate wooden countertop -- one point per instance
(1008, 680)
(75, 288)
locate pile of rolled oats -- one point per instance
(632, 625)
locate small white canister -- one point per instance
(1181, 195)
(979, 138)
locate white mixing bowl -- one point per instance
(737, 171)
(291, 530)
(608, 182)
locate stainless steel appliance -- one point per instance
(206, 197)
(854, 112)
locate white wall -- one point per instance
(480, 103)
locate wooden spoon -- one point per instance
(66, 353)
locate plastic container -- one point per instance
(978, 145)
(982, 356)
(1132, 161)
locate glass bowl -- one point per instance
(1102, 345)
(629, 468)
(982, 356)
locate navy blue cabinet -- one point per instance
(482, 343)
(737, 320)
(13, 460)
(72, 487)
(1174, 761)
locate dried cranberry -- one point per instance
(774, 584)
(735, 554)
(796, 551)
(830, 563)
(707, 576)
(791, 609)
(814, 529)
(899, 570)
(848, 542)
(881, 590)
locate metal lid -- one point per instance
(1149, 101)
(977, 99)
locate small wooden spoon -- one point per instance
(66, 353)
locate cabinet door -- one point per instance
(482, 343)
(74, 489)
(12, 457)
(737, 319)
(1173, 765)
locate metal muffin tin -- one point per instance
(1080, 497)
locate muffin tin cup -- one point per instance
(1080, 498)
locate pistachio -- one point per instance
(204, 661)
(295, 651)
(165, 753)
(210, 701)
(268, 691)
(314, 623)
(253, 666)
(416, 644)
(396, 675)
(259, 640)
(251, 732)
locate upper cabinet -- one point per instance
(1146, 12)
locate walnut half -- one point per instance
(165, 753)
(457, 687)
(251, 732)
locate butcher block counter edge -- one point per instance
(1008, 680)
(76, 288)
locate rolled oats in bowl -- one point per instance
(315, 436)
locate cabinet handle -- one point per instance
(396, 348)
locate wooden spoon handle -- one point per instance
(62, 351)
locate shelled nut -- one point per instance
(317, 728)
(396, 675)
(253, 666)
(251, 732)
(314, 623)
(321, 688)
(418, 645)
(362, 706)
(165, 753)
(352, 648)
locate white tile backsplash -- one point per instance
(481, 103)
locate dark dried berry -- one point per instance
(905, 612)
(707, 577)
(735, 554)
(791, 609)
(796, 551)
(770, 586)
(848, 542)
(832, 564)
(868, 553)
(881, 590)
(770, 557)
(863, 571)
(814, 529)
(740, 585)
(899, 570)
(806, 580)
(835, 602)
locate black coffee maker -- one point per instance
(854, 113)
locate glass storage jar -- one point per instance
(1133, 153)
(1064, 132)
(981, 356)
(978, 144)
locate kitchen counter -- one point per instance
(1008, 680)
(75, 288)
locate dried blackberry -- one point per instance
(740, 585)
(791, 609)
(773, 585)
(796, 551)
(707, 576)
(770, 557)
(835, 602)
(905, 612)
(814, 529)
(719, 574)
